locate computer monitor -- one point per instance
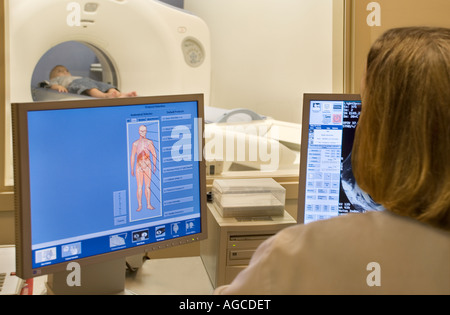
(327, 187)
(101, 179)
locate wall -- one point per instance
(267, 53)
(394, 13)
(6, 200)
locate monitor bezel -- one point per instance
(24, 267)
(307, 98)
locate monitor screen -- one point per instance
(98, 179)
(327, 187)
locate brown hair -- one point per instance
(401, 153)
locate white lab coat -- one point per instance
(370, 253)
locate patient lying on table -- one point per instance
(62, 81)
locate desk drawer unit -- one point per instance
(232, 242)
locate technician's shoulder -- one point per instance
(372, 225)
(340, 226)
(332, 256)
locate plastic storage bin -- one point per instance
(248, 197)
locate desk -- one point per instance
(170, 276)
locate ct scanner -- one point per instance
(144, 46)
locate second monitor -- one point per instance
(327, 187)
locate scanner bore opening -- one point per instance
(79, 58)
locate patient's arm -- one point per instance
(59, 88)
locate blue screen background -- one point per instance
(80, 157)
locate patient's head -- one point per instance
(400, 153)
(59, 71)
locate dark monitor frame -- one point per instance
(307, 98)
(24, 267)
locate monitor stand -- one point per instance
(96, 279)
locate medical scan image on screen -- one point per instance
(103, 179)
(331, 188)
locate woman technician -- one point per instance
(401, 158)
